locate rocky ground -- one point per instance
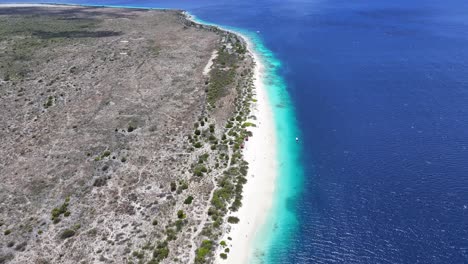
(100, 158)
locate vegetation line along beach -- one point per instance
(260, 154)
(138, 136)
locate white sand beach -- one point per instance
(260, 153)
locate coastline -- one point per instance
(258, 194)
(261, 154)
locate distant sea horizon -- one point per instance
(377, 92)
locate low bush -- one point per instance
(180, 214)
(233, 220)
(161, 252)
(188, 200)
(131, 128)
(67, 233)
(203, 251)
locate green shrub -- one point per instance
(173, 186)
(203, 251)
(179, 224)
(233, 220)
(223, 255)
(197, 132)
(203, 158)
(155, 222)
(161, 252)
(248, 124)
(199, 170)
(7, 232)
(57, 211)
(197, 145)
(49, 102)
(180, 214)
(223, 243)
(67, 233)
(139, 254)
(183, 186)
(131, 128)
(188, 200)
(171, 234)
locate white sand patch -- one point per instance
(207, 68)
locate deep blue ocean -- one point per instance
(380, 95)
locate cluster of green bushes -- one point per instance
(203, 251)
(161, 252)
(104, 155)
(50, 102)
(162, 249)
(199, 169)
(58, 211)
(25, 35)
(222, 75)
(183, 185)
(228, 193)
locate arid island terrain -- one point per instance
(121, 135)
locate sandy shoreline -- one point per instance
(260, 153)
(258, 192)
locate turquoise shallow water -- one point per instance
(281, 223)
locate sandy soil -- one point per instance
(101, 117)
(207, 68)
(96, 115)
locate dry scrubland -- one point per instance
(115, 148)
